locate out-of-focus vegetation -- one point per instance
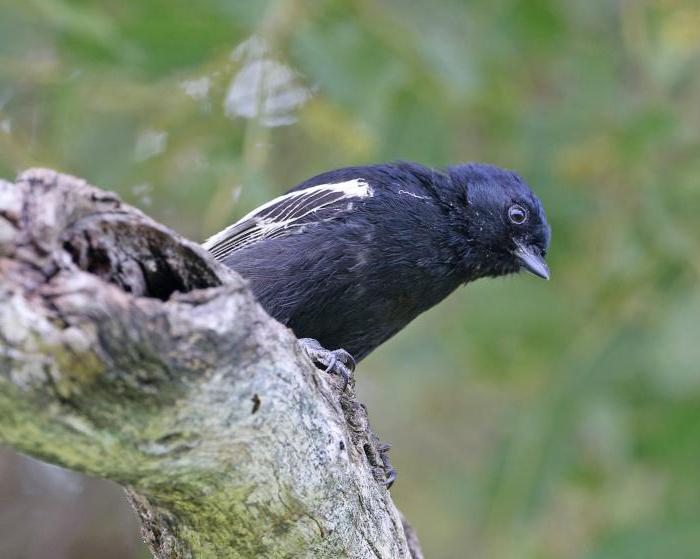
(529, 419)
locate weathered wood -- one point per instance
(126, 352)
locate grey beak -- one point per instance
(531, 259)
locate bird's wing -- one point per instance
(288, 214)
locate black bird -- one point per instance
(348, 258)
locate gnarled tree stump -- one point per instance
(127, 352)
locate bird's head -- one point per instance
(506, 226)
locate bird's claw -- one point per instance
(338, 361)
(389, 471)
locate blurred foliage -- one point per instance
(529, 419)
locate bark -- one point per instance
(127, 352)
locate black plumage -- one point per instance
(351, 256)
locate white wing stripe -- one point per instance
(279, 214)
(356, 188)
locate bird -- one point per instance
(349, 257)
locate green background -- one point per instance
(529, 419)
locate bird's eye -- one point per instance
(517, 214)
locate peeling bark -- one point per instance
(127, 352)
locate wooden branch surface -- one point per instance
(127, 352)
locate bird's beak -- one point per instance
(531, 259)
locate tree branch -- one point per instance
(127, 352)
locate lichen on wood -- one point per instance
(127, 352)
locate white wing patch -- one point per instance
(288, 214)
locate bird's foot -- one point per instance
(389, 471)
(338, 361)
(378, 457)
